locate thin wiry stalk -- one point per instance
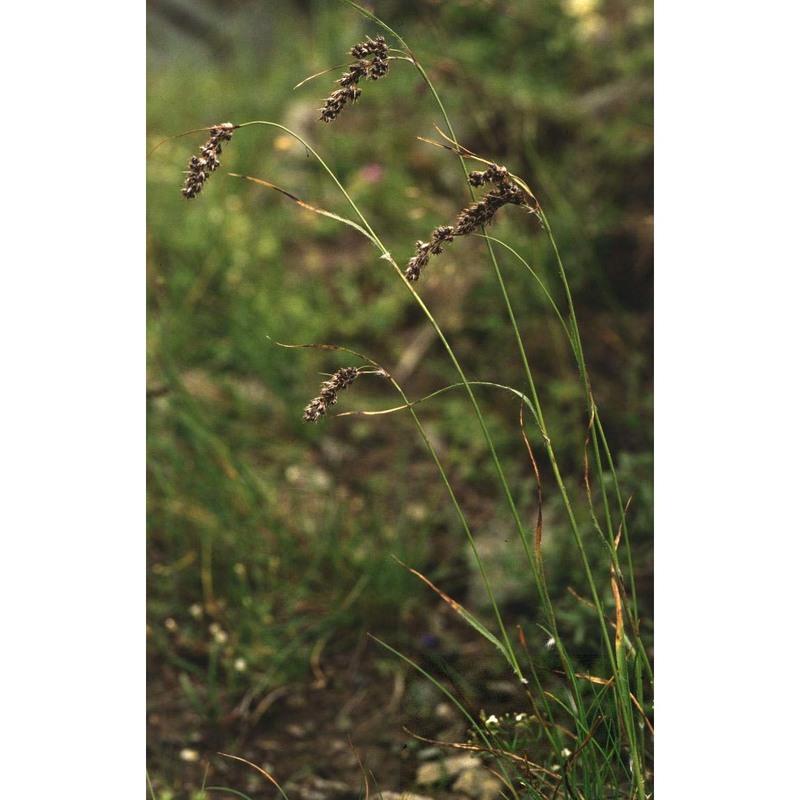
(476, 726)
(618, 658)
(619, 663)
(387, 256)
(618, 654)
(575, 344)
(536, 569)
(536, 565)
(508, 648)
(624, 703)
(466, 383)
(576, 347)
(575, 339)
(542, 286)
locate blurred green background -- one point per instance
(270, 539)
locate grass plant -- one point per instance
(585, 730)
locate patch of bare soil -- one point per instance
(357, 719)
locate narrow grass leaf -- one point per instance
(258, 769)
(463, 613)
(302, 203)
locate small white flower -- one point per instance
(240, 665)
(187, 754)
(492, 722)
(196, 610)
(170, 624)
(550, 643)
(566, 752)
(520, 717)
(220, 637)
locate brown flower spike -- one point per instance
(329, 393)
(470, 219)
(201, 167)
(374, 69)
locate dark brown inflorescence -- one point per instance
(481, 213)
(329, 393)
(200, 167)
(375, 68)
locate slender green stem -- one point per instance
(619, 660)
(371, 233)
(509, 650)
(537, 569)
(465, 382)
(618, 651)
(475, 725)
(575, 338)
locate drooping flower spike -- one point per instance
(201, 167)
(329, 393)
(481, 213)
(375, 68)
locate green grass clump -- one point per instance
(472, 410)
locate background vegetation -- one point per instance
(271, 542)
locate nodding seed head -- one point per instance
(329, 393)
(375, 68)
(480, 213)
(201, 167)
